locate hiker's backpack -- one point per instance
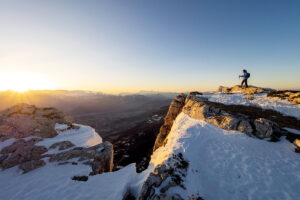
(248, 74)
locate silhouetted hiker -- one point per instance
(245, 76)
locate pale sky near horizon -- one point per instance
(118, 46)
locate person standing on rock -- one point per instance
(245, 76)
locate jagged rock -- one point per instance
(171, 171)
(174, 109)
(245, 127)
(31, 165)
(62, 145)
(265, 128)
(147, 190)
(229, 123)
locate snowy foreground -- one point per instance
(231, 165)
(260, 100)
(222, 165)
(54, 181)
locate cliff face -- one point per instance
(174, 109)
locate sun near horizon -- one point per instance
(24, 81)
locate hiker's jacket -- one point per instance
(246, 75)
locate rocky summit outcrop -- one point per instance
(249, 90)
(200, 108)
(26, 125)
(289, 95)
(25, 120)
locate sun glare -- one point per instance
(21, 82)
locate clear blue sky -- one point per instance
(171, 45)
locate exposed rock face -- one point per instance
(200, 108)
(100, 156)
(292, 96)
(265, 128)
(22, 153)
(250, 90)
(25, 120)
(103, 159)
(31, 165)
(174, 109)
(165, 176)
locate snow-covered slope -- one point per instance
(229, 164)
(53, 181)
(261, 100)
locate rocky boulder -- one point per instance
(265, 128)
(99, 157)
(22, 152)
(25, 120)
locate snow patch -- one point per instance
(85, 136)
(54, 182)
(229, 164)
